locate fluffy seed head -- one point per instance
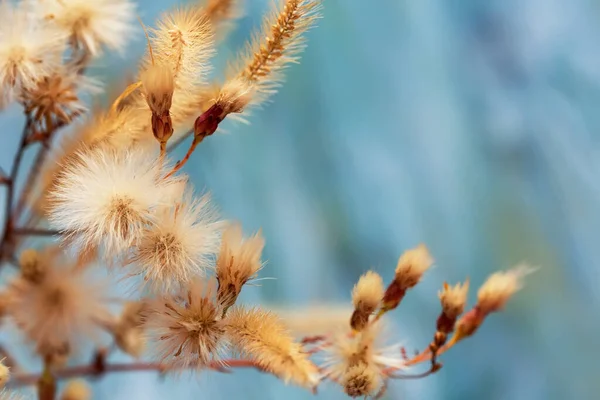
(57, 311)
(411, 266)
(499, 288)
(93, 24)
(360, 350)
(183, 41)
(76, 390)
(260, 336)
(29, 49)
(106, 197)
(361, 380)
(179, 245)
(186, 330)
(277, 45)
(54, 99)
(454, 299)
(238, 262)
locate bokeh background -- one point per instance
(471, 126)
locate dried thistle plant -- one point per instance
(110, 193)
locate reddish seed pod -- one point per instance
(208, 122)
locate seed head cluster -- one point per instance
(109, 204)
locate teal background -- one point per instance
(471, 126)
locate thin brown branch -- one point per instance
(19, 379)
(35, 232)
(10, 195)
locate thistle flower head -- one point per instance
(93, 24)
(499, 288)
(76, 390)
(54, 99)
(186, 329)
(30, 49)
(238, 262)
(454, 299)
(55, 312)
(179, 244)
(106, 197)
(262, 337)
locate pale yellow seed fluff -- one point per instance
(499, 287)
(412, 265)
(4, 374)
(454, 299)
(260, 336)
(158, 85)
(368, 292)
(76, 390)
(237, 263)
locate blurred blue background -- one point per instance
(471, 126)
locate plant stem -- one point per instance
(11, 184)
(19, 379)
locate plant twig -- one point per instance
(35, 232)
(14, 172)
(20, 379)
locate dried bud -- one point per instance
(4, 374)
(208, 122)
(499, 288)
(468, 324)
(492, 297)
(366, 296)
(158, 86)
(361, 380)
(32, 267)
(238, 262)
(76, 390)
(162, 127)
(411, 266)
(453, 299)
